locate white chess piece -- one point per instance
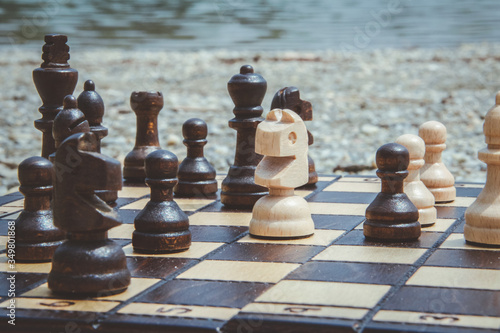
(414, 188)
(282, 139)
(482, 218)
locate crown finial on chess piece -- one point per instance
(55, 51)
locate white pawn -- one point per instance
(434, 173)
(282, 139)
(482, 218)
(414, 188)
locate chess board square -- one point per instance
(372, 273)
(325, 293)
(463, 191)
(22, 282)
(465, 258)
(3, 243)
(320, 237)
(343, 197)
(59, 304)
(356, 237)
(459, 202)
(184, 204)
(328, 208)
(452, 277)
(389, 255)
(326, 179)
(444, 300)
(175, 310)
(340, 222)
(128, 215)
(441, 319)
(267, 252)
(201, 233)
(448, 212)
(441, 225)
(6, 210)
(303, 193)
(157, 267)
(457, 241)
(359, 179)
(195, 251)
(205, 293)
(356, 187)
(123, 231)
(10, 216)
(24, 268)
(133, 192)
(306, 311)
(16, 203)
(10, 197)
(266, 272)
(137, 285)
(221, 219)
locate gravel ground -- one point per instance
(360, 100)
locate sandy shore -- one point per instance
(360, 100)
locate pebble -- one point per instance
(360, 100)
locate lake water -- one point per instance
(255, 25)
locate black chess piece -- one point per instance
(67, 122)
(162, 226)
(53, 80)
(196, 175)
(247, 90)
(289, 98)
(92, 106)
(392, 215)
(146, 106)
(88, 263)
(36, 236)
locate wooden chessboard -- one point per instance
(335, 281)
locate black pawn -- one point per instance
(196, 175)
(392, 216)
(161, 227)
(67, 122)
(92, 106)
(36, 236)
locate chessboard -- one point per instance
(335, 281)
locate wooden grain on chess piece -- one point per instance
(282, 139)
(36, 237)
(54, 80)
(247, 90)
(392, 216)
(88, 263)
(196, 175)
(482, 218)
(146, 106)
(162, 226)
(289, 98)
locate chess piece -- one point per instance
(147, 106)
(434, 173)
(482, 218)
(92, 106)
(196, 175)
(247, 90)
(289, 98)
(162, 226)
(392, 216)
(414, 188)
(88, 263)
(67, 122)
(36, 236)
(54, 80)
(282, 139)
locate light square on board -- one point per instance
(359, 179)
(441, 225)
(367, 187)
(184, 204)
(442, 319)
(328, 208)
(454, 277)
(457, 241)
(133, 192)
(325, 293)
(137, 285)
(320, 237)
(43, 267)
(3, 242)
(122, 231)
(176, 310)
(19, 204)
(389, 255)
(195, 251)
(58, 304)
(221, 218)
(459, 202)
(306, 310)
(250, 271)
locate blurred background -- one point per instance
(372, 69)
(255, 25)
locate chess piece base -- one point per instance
(239, 188)
(281, 217)
(444, 194)
(398, 232)
(96, 268)
(187, 189)
(161, 243)
(427, 216)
